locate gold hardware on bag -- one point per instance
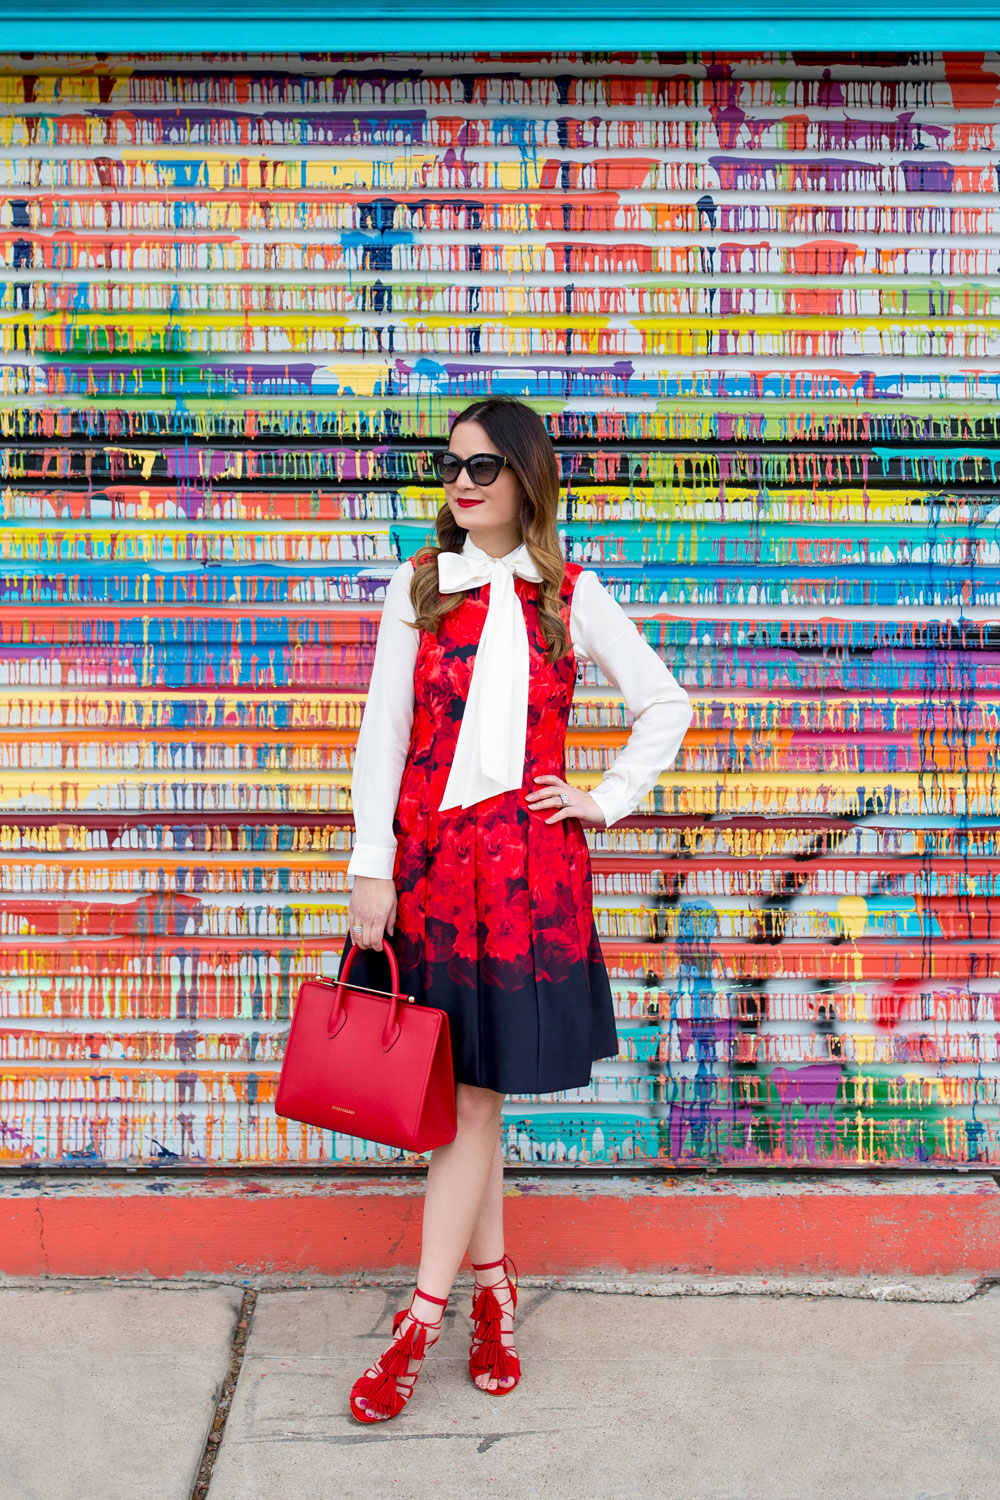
(350, 985)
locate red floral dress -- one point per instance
(494, 920)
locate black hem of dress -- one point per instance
(541, 1019)
(535, 1088)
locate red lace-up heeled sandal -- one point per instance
(488, 1354)
(384, 1389)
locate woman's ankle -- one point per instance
(427, 1310)
(490, 1278)
(490, 1270)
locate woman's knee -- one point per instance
(477, 1109)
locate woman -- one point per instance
(470, 852)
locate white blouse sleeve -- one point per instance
(384, 735)
(661, 710)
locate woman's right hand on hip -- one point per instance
(372, 909)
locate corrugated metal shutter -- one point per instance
(756, 299)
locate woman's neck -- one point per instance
(496, 544)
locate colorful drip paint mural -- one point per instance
(756, 299)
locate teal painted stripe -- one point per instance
(181, 28)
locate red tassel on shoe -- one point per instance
(380, 1390)
(489, 1354)
(486, 1308)
(382, 1396)
(494, 1358)
(396, 1361)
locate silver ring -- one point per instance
(357, 927)
(564, 798)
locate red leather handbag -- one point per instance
(371, 1063)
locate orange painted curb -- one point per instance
(945, 1227)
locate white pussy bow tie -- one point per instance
(489, 754)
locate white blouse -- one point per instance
(600, 631)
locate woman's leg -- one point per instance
(457, 1182)
(486, 1239)
(486, 1245)
(463, 1202)
(456, 1179)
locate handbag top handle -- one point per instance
(390, 955)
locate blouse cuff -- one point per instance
(372, 860)
(609, 799)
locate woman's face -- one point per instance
(483, 509)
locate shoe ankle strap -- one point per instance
(510, 1275)
(425, 1322)
(441, 1301)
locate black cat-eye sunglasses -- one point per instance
(483, 467)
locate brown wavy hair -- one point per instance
(519, 434)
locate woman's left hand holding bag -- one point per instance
(372, 911)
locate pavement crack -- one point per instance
(41, 1235)
(352, 1439)
(983, 1285)
(220, 1416)
(489, 1438)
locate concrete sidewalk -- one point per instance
(109, 1393)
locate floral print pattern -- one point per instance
(494, 919)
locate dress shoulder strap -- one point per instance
(570, 576)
